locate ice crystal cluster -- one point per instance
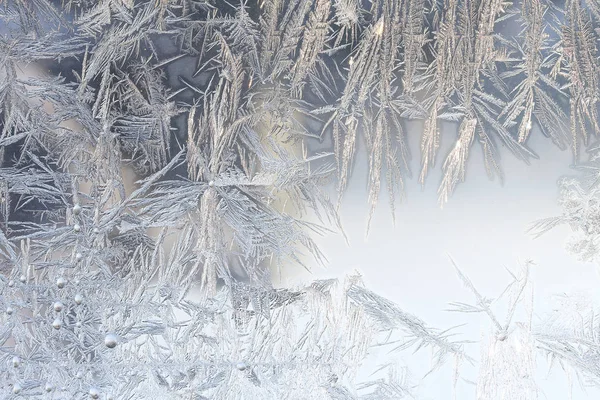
(580, 203)
(570, 335)
(159, 286)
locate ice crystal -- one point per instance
(580, 203)
(507, 365)
(569, 335)
(125, 337)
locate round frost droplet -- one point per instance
(23, 278)
(96, 231)
(11, 283)
(78, 299)
(77, 228)
(76, 209)
(110, 340)
(16, 361)
(48, 388)
(94, 393)
(10, 310)
(78, 324)
(79, 375)
(211, 183)
(78, 256)
(241, 366)
(57, 324)
(61, 282)
(58, 306)
(17, 388)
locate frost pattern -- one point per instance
(570, 335)
(580, 203)
(159, 286)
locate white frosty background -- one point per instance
(483, 229)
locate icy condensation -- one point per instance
(158, 165)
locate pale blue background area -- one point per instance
(483, 228)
